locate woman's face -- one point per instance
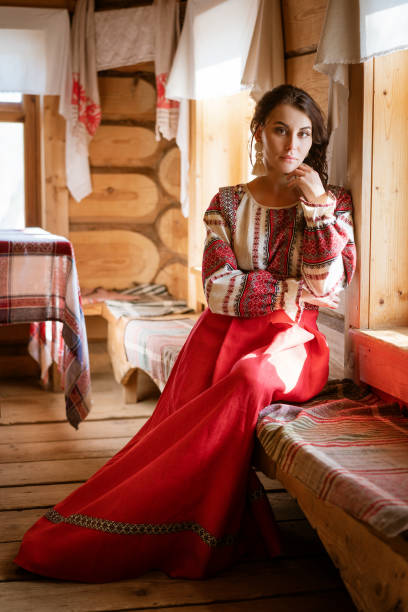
(286, 137)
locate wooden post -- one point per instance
(359, 172)
(32, 160)
(55, 202)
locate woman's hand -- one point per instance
(307, 181)
(329, 301)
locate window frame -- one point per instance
(27, 112)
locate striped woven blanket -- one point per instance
(143, 300)
(349, 447)
(153, 346)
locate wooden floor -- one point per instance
(42, 459)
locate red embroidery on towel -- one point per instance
(89, 113)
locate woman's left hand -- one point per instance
(307, 181)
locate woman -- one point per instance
(181, 495)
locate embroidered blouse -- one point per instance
(258, 259)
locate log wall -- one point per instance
(130, 229)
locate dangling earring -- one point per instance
(258, 168)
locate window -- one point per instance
(19, 161)
(12, 210)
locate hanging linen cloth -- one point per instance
(35, 58)
(124, 37)
(354, 32)
(35, 53)
(265, 64)
(213, 49)
(84, 114)
(166, 36)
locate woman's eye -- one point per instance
(304, 134)
(280, 130)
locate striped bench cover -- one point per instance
(153, 346)
(349, 447)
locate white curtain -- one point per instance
(353, 32)
(36, 58)
(265, 64)
(35, 52)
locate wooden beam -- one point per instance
(55, 199)
(381, 359)
(57, 4)
(359, 173)
(32, 161)
(11, 112)
(302, 23)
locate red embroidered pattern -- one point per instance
(228, 295)
(323, 245)
(162, 101)
(290, 248)
(216, 256)
(255, 246)
(89, 113)
(256, 294)
(282, 229)
(229, 200)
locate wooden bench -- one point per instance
(137, 376)
(373, 566)
(138, 382)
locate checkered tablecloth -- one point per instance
(39, 285)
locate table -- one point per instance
(39, 285)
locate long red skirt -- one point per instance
(181, 495)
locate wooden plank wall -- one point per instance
(389, 218)
(378, 164)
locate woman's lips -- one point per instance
(288, 158)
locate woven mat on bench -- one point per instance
(349, 447)
(142, 300)
(153, 346)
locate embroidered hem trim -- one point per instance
(121, 528)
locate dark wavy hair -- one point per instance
(289, 94)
